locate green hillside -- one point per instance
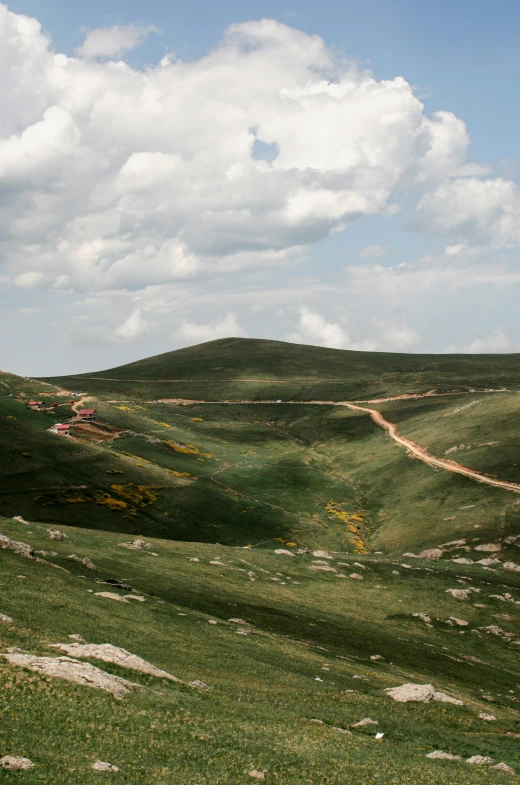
(315, 653)
(271, 565)
(238, 368)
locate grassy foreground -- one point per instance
(307, 657)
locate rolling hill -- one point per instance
(278, 494)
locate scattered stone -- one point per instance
(431, 553)
(492, 629)
(490, 547)
(243, 632)
(55, 534)
(194, 559)
(73, 670)
(365, 721)
(511, 566)
(199, 684)
(238, 621)
(410, 555)
(439, 755)
(252, 575)
(87, 563)
(462, 560)
(423, 693)
(18, 547)
(257, 775)
(356, 575)
(505, 768)
(453, 543)
(322, 555)
(212, 621)
(340, 730)
(480, 760)
(101, 765)
(460, 622)
(133, 597)
(15, 763)
(217, 563)
(20, 519)
(513, 539)
(459, 594)
(488, 562)
(357, 564)
(78, 638)
(323, 567)
(487, 717)
(108, 653)
(376, 657)
(5, 619)
(423, 616)
(395, 572)
(407, 566)
(136, 545)
(110, 595)
(379, 736)
(284, 552)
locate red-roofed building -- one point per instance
(37, 406)
(87, 415)
(63, 429)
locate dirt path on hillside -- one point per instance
(413, 448)
(423, 454)
(79, 403)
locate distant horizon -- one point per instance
(266, 340)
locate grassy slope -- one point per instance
(300, 372)
(264, 687)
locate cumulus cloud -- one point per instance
(495, 343)
(314, 329)
(113, 41)
(373, 252)
(473, 212)
(133, 327)
(227, 327)
(121, 178)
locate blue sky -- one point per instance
(439, 273)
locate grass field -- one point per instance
(215, 488)
(307, 658)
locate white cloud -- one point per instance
(314, 329)
(135, 326)
(121, 178)
(473, 212)
(113, 41)
(495, 343)
(373, 252)
(227, 327)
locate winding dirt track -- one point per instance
(412, 447)
(423, 455)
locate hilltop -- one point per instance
(235, 368)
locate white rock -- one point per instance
(431, 553)
(488, 562)
(284, 552)
(257, 775)
(439, 755)
(101, 765)
(15, 763)
(423, 693)
(459, 594)
(5, 619)
(460, 622)
(110, 595)
(487, 717)
(490, 547)
(505, 768)
(322, 555)
(511, 566)
(108, 653)
(365, 721)
(480, 760)
(356, 576)
(462, 560)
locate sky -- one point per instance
(338, 174)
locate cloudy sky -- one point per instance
(342, 174)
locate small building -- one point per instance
(37, 406)
(62, 429)
(87, 415)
